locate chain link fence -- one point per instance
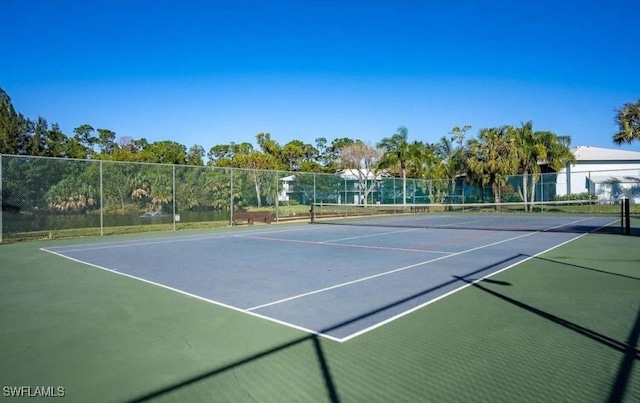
(52, 197)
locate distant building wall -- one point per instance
(585, 176)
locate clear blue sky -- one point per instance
(213, 72)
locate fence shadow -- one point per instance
(629, 348)
(332, 393)
(331, 389)
(572, 265)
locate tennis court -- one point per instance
(578, 216)
(338, 313)
(341, 281)
(335, 281)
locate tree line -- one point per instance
(486, 160)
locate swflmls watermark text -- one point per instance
(33, 391)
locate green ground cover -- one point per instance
(560, 327)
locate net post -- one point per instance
(622, 216)
(627, 216)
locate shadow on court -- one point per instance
(572, 265)
(331, 389)
(628, 349)
(332, 393)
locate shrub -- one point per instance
(575, 196)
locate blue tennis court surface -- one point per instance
(336, 281)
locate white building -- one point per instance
(346, 186)
(604, 172)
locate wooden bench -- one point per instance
(252, 217)
(419, 209)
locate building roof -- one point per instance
(354, 174)
(588, 153)
(350, 174)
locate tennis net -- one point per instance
(582, 216)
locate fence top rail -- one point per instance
(158, 164)
(632, 171)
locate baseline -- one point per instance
(221, 304)
(135, 243)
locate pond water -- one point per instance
(27, 222)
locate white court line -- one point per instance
(306, 294)
(135, 242)
(188, 238)
(371, 235)
(343, 245)
(407, 312)
(196, 296)
(290, 325)
(386, 273)
(431, 301)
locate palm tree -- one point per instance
(71, 195)
(529, 150)
(399, 153)
(450, 151)
(628, 120)
(140, 187)
(491, 157)
(556, 153)
(161, 192)
(534, 148)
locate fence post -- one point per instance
(413, 190)
(394, 190)
(464, 181)
(1, 198)
(174, 196)
(101, 203)
(277, 196)
(231, 198)
(345, 191)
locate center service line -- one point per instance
(387, 272)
